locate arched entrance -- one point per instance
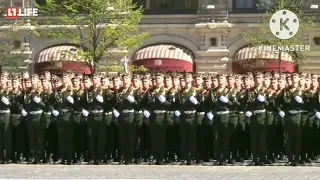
(250, 59)
(60, 58)
(165, 57)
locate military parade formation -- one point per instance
(159, 118)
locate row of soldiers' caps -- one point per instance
(205, 76)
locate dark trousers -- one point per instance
(65, 127)
(96, 136)
(145, 141)
(206, 142)
(258, 136)
(188, 136)
(52, 139)
(36, 134)
(79, 140)
(293, 131)
(109, 137)
(222, 137)
(18, 136)
(243, 137)
(127, 136)
(138, 119)
(114, 141)
(158, 128)
(5, 136)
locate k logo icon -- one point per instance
(284, 24)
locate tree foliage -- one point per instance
(119, 69)
(97, 26)
(265, 37)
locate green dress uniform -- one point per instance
(172, 126)
(63, 103)
(47, 99)
(205, 136)
(125, 105)
(96, 126)
(310, 132)
(5, 127)
(274, 122)
(292, 102)
(18, 128)
(35, 125)
(220, 104)
(144, 146)
(158, 124)
(234, 124)
(188, 123)
(243, 128)
(79, 126)
(138, 118)
(108, 107)
(257, 105)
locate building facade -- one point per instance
(200, 36)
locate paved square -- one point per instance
(157, 172)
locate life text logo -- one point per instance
(14, 12)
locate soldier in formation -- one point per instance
(159, 118)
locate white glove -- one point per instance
(248, 114)
(298, 99)
(24, 112)
(281, 114)
(318, 115)
(115, 113)
(70, 99)
(162, 99)
(5, 100)
(99, 98)
(210, 115)
(177, 113)
(193, 100)
(130, 98)
(85, 113)
(36, 99)
(146, 114)
(261, 98)
(224, 99)
(55, 113)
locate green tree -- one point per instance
(265, 37)
(96, 25)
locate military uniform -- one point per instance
(157, 104)
(36, 127)
(80, 127)
(188, 121)
(108, 107)
(96, 126)
(291, 103)
(125, 105)
(172, 124)
(256, 112)
(63, 104)
(18, 128)
(205, 134)
(219, 101)
(5, 125)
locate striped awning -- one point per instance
(249, 53)
(164, 51)
(59, 53)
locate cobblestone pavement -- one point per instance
(157, 172)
